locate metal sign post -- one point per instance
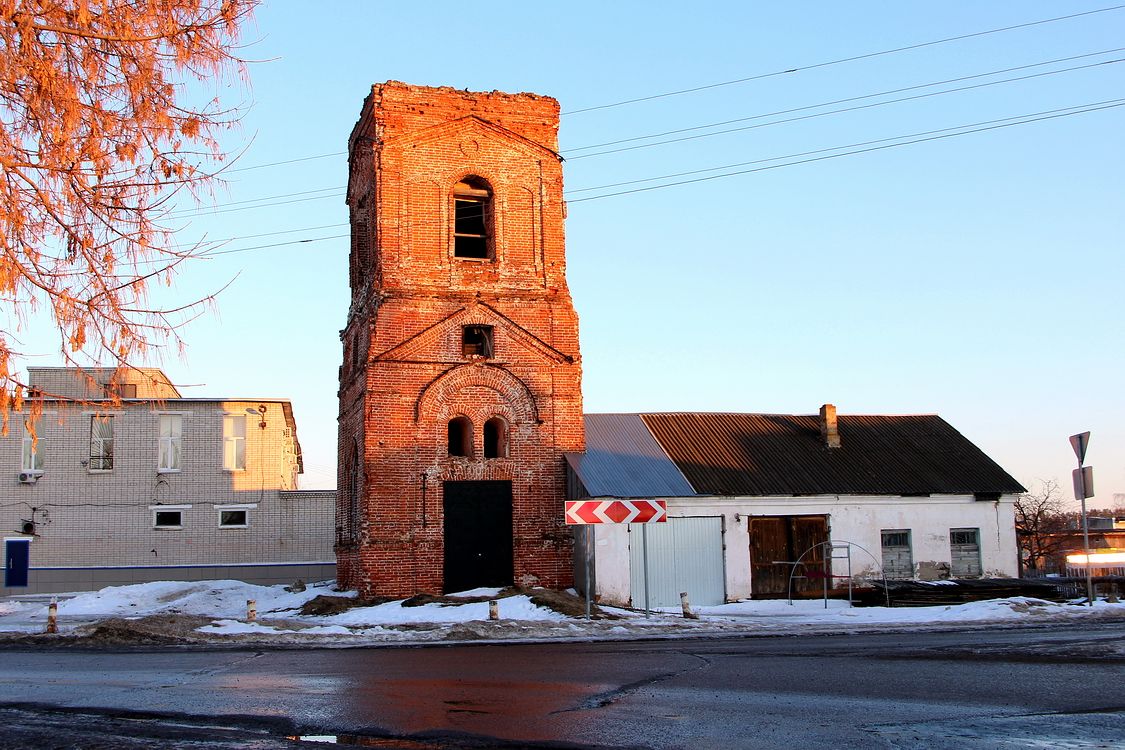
(644, 546)
(589, 568)
(1083, 488)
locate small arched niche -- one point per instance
(496, 438)
(460, 437)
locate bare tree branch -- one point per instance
(1041, 519)
(97, 136)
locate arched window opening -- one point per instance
(472, 215)
(460, 437)
(495, 438)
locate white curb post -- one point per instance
(251, 610)
(494, 610)
(53, 616)
(685, 605)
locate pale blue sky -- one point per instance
(976, 277)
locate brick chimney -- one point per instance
(828, 431)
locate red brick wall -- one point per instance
(404, 376)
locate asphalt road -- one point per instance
(1050, 688)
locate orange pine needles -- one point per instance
(102, 124)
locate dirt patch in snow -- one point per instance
(154, 630)
(565, 603)
(326, 604)
(558, 601)
(420, 600)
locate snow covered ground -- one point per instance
(209, 611)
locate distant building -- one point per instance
(155, 487)
(750, 496)
(1107, 548)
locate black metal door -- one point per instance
(478, 534)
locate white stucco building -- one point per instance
(761, 504)
(116, 478)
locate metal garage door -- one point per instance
(684, 554)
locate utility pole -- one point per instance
(1084, 488)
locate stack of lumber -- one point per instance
(930, 593)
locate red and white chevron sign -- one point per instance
(616, 511)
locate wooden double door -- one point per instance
(776, 542)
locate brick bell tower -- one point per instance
(461, 383)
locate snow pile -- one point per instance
(813, 612)
(209, 598)
(11, 607)
(393, 613)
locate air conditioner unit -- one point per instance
(28, 477)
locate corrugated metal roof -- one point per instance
(782, 454)
(622, 459)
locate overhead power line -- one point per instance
(209, 253)
(841, 60)
(287, 161)
(849, 99)
(844, 109)
(787, 71)
(1118, 103)
(210, 212)
(856, 148)
(269, 201)
(1073, 110)
(205, 210)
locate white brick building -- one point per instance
(158, 487)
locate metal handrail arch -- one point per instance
(828, 543)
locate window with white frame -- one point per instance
(101, 443)
(234, 442)
(168, 516)
(171, 442)
(235, 516)
(33, 454)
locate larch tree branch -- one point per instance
(101, 125)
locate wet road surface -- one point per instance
(1051, 688)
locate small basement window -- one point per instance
(495, 438)
(233, 519)
(476, 341)
(167, 519)
(168, 516)
(472, 208)
(460, 436)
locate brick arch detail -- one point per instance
(461, 174)
(514, 391)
